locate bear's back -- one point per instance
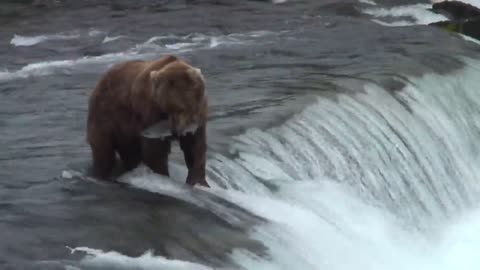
(122, 93)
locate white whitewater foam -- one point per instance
(179, 45)
(142, 177)
(108, 39)
(393, 24)
(151, 48)
(419, 13)
(368, 2)
(327, 227)
(62, 66)
(4, 74)
(459, 245)
(474, 40)
(147, 261)
(67, 174)
(19, 40)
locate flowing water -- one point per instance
(342, 135)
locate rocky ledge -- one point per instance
(463, 18)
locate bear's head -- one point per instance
(179, 90)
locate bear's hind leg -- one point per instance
(130, 153)
(155, 154)
(103, 155)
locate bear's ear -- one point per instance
(195, 74)
(154, 75)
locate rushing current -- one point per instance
(342, 135)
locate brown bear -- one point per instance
(137, 94)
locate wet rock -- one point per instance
(469, 28)
(463, 18)
(456, 10)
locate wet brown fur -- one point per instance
(136, 94)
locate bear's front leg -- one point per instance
(194, 147)
(155, 153)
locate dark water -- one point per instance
(263, 62)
